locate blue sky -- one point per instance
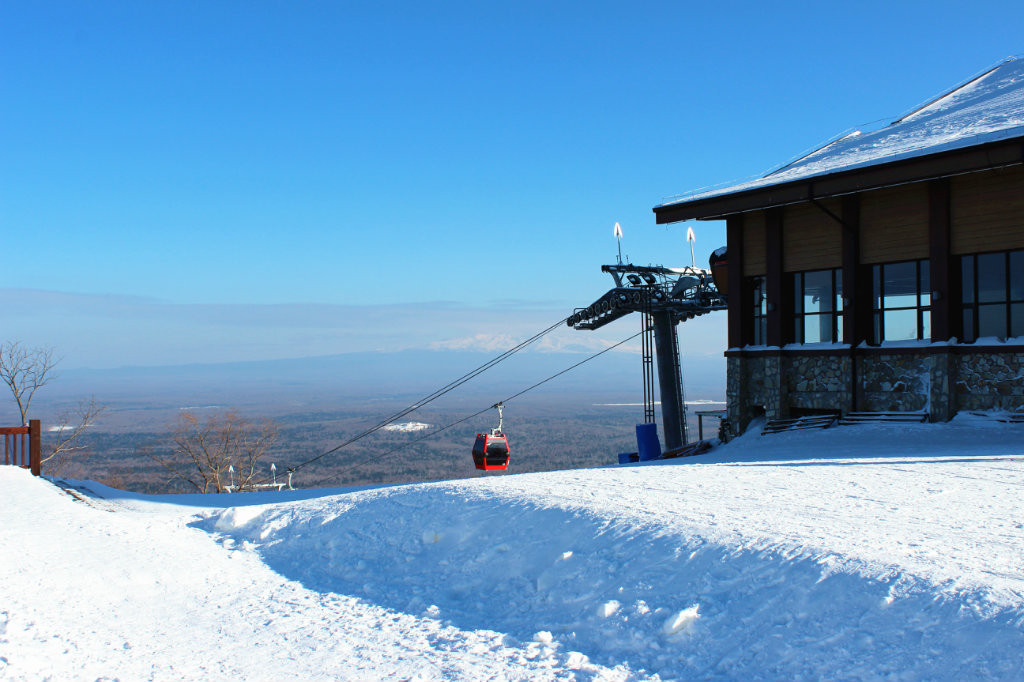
(228, 161)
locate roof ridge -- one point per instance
(956, 88)
(986, 108)
(856, 130)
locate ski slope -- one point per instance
(862, 552)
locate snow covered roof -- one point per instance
(988, 108)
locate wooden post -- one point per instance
(945, 278)
(35, 446)
(780, 301)
(738, 299)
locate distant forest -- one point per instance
(543, 436)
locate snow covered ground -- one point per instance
(861, 552)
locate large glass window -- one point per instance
(760, 311)
(818, 306)
(993, 294)
(901, 303)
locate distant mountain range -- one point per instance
(374, 375)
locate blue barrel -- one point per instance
(647, 443)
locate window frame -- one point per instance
(922, 300)
(759, 325)
(971, 309)
(798, 291)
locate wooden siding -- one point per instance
(753, 244)
(894, 224)
(811, 239)
(987, 211)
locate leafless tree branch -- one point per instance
(69, 429)
(24, 371)
(206, 451)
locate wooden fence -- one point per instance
(15, 440)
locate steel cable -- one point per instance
(486, 409)
(436, 394)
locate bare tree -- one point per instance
(205, 451)
(71, 424)
(24, 371)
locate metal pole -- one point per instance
(673, 412)
(647, 361)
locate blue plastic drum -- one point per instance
(647, 444)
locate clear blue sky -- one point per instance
(247, 155)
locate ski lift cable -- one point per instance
(486, 409)
(436, 394)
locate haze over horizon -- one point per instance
(243, 183)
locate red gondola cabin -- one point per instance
(490, 452)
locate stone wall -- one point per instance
(894, 383)
(990, 381)
(941, 382)
(819, 382)
(745, 390)
(771, 385)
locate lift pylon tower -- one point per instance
(668, 296)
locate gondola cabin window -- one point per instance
(901, 301)
(818, 306)
(993, 295)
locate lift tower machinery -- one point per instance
(665, 296)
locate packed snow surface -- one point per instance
(987, 109)
(857, 552)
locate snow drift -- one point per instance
(858, 552)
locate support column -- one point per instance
(779, 304)
(945, 285)
(736, 394)
(673, 407)
(740, 313)
(776, 394)
(946, 320)
(858, 324)
(941, 397)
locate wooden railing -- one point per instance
(15, 450)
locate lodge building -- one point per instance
(885, 270)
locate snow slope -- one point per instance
(867, 552)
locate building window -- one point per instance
(993, 294)
(818, 306)
(902, 301)
(760, 311)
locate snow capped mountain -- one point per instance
(406, 427)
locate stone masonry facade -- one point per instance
(941, 382)
(990, 382)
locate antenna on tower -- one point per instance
(618, 237)
(691, 237)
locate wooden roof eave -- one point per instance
(973, 159)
